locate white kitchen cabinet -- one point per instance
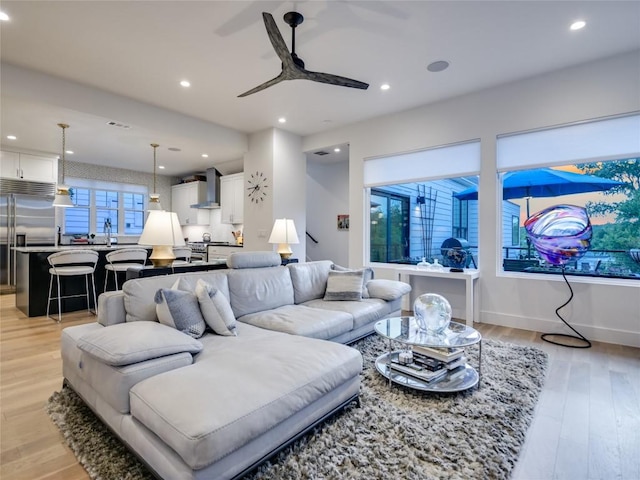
(232, 198)
(183, 196)
(22, 166)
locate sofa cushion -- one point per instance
(215, 309)
(128, 343)
(388, 289)
(302, 320)
(344, 285)
(363, 312)
(180, 309)
(286, 374)
(256, 289)
(309, 279)
(253, 260)
(139, 292)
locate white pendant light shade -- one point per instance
(154, 202)
(63, 197)
(63, 194)
(154, 198)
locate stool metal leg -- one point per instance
(59, 300)
(106, 279)
(86, 289)
(95, 300)
(49, 299)
(115, 276)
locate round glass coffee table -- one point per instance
(404, 330)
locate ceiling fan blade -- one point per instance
(333, 79)
(268, 84)
(276, 39)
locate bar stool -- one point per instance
(183, 256)
(72, 263)
(123, 259)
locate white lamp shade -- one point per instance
(284, 231)
(162, 228)
(154, 202)
(63, 197)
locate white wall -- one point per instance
(608, 311)
(327, 197)
(278, 154)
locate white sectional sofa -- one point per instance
(216, 406)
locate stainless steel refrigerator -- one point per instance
(25, 220)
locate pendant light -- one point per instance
(63, 196)
(154, 197)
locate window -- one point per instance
(460, 219)
(95, 206)
(389, 227)
(595, 165)
(412, 207)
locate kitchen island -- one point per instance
(32, 278)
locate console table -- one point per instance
(469, 276)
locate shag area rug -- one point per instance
(396, 433)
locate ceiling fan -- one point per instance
(292, 65)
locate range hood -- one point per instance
(213, 190)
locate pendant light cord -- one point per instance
(63, 126)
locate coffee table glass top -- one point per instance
(456, 335)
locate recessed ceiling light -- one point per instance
(69, 152)
(185, 83)
(337, 150)
(12, 137)
(385, 86)
(282, 120)
(577, 25)
(205, 155)
(4, 17)
(161, 167)
(438, 66)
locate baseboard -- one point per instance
(594, 333)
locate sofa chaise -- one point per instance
(216, 406)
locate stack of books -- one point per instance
(429, 363)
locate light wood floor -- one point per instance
(586, 426)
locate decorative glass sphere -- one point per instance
(432, 313)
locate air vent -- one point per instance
(321, 153)
(174, 149)
(118, 124)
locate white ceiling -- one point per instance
(134, 53)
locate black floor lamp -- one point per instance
(561, 234)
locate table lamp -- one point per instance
(284, 233)
(162, 231)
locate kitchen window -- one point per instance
(94, 206)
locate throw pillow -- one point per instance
(133, 342)
(345, 285)
(180, 309)
(368, 275)
(388, 289)
(215, 309)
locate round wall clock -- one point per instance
(257, 187)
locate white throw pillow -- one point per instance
(215, 309)
(344, 285)
(180, 309)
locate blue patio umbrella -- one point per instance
(544, 182)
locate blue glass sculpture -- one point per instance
(432, 313)
(560, 234)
